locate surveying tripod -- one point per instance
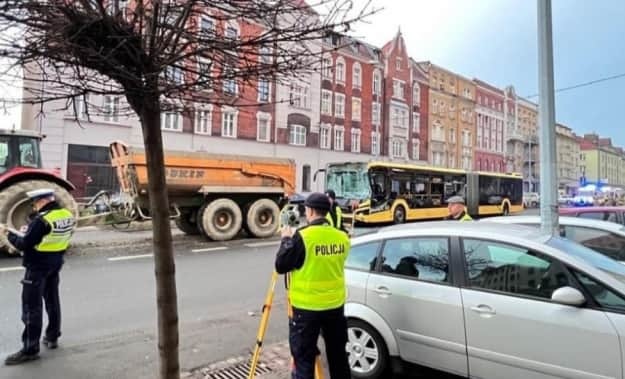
(264, 322)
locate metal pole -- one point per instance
(547, 145)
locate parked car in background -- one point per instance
(607, 238)
(612, 214)
(531, 199)
(484, 300)
(565, 200)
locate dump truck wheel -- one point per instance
(187, 223)
(15, 207)
(221, 219)
(263, 218)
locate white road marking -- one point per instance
(209, 249)
(128, 257)
(263, 244)
(7, 269)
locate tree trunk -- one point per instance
(164, 265)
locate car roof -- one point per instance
(562, 220)
(591, 209)
(453, 228)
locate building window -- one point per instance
(203, 120)
(324, 137)
(299, 95)
(377, 83)
(375, 145)
(297, 135)
(171, 120)
(375, 113)
(207, 27)
(306, 178)
(263, 90)
(230, 84)
(452, 160)
(452, 135)
(111, 108)
(400, 118)
(416, 145)
(398, 149)
(326, 102)
(229, 121)
(340, 70)
(356, 75)
(174, 75)
(356, 109)
(438, 133)
(416, 95)
(326, 67)
(82, 106)
(339, 138)
(232, 32)
(263, 127)
(434, 106)
(356, 140)
(416, 122)
(204, 66)
(398, 89)
(339, 105)
(466, 138)
(398, 63)
(438, 158)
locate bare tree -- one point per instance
(159, 55)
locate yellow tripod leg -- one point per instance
(264, 321)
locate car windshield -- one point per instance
(600, 261)
(349, 181)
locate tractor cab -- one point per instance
(19, 148)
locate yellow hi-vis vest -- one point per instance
(466, 217)
(62, 225)
(319, 284)
(339, 217)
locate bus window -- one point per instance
(437, 190)
(455, 185)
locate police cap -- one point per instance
(455, 200)
(331, 194)
(318, 201)
(40, 193)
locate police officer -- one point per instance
(314, 256)
(335, 215)
(457, 210)
(45, 240)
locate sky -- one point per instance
(496, 41)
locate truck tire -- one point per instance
(187, 222)
(15, 206)
(221, 219)
(263, 218)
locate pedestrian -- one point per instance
(45, 240)
(314, 258)
(335, 215)
(457, 209)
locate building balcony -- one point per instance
(515, 136)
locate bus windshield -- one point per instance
(350, 180)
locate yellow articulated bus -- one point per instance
(384, 192)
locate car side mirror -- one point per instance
(568, 296)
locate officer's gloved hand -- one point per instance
(287, 231)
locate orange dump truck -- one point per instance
(216, 195)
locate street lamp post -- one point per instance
(548, 168)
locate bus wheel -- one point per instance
(506, 210)
(399, 216)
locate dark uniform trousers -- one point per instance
(304, 329)
(40, 283)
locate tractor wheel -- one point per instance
(15, 206)
(221, 219)
(263, 218)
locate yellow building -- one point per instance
(601, 162)
(567, 156)
(451, 118)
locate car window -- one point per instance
(604, 242)
(501, 267)
(420, 258)
(363, 257)
(604, 297)
(592, 215)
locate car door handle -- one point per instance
(483, 310)
(382, 291)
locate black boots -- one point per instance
(19, 358)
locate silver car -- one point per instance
(605, 237)
(483, 300)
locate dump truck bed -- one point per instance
(202, 172)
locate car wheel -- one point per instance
(368, 355)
